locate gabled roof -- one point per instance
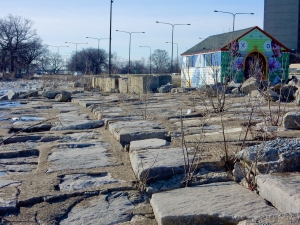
(216, 42)
(220, 41)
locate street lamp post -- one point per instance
(109, 54)
(150, 56)
(130, 43)
(177, 52)
(56, 47)
(172, 39)
(233, 14)
(98, 59)
(76, 52)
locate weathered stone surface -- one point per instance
(283, 219)
(30, 126)
(50, 94)
(127, 131)
(148, 143)
(8, 195)
(280, 155)
(4, 97)
(271, 95)
(155, 164)
(65, 107)
(63, 96)
(22, 138)
(12, 95)
(287, 92)
(216, 203)
(282, 190)
(256, 94)
(101, 210)
(249, 85)
(75, 182)
(80, 125)
(166, 88)
(291, 120)
(79, 156)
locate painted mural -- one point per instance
(254, 54)
(256, 49)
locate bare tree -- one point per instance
(161, 61)
(88, 61)
(15, 34)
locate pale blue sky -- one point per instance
(57, 21)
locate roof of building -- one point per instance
(216, 42)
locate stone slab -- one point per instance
(92, 124)
(65, 107)
(8, 195)
(216, 203)
(80, 156)
(159, 163)
(101, 210)
(282, 190)
(75, 182)
(127, 131)
(148, 143)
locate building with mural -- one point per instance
(236, 56)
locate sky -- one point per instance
(60, 21)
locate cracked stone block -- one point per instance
(282, 190)
(80, 156)
(215, 203)
(75, 182)
(100, 210)
(148, 143)
(159, 163)
(8, 195)
(127, 131)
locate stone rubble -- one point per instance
(118, 158)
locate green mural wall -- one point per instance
(274, 58)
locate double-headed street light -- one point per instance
(57, 47)
(177, 52)
(98, 59)
(172, 39)
(130, 43)
(233, 14)
(150, 55)
(76, 51)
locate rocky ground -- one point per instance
(70, 155)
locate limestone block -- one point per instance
(215, 203)
(282, 190)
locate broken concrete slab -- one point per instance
(283, 219)
(8, 195)
(65, 107)
(148, 143)
(291, 120)
(80, 156)
(215, 203)
(157, 164)
(22, 138)
(101, 210)
(92, 124)
(127, 131)
(75, 182)
(280, 155)
(282, 190)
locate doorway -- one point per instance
(255, 65)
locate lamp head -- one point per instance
(157, 22)
(252, 13)
(188, 24)
(215, 11)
